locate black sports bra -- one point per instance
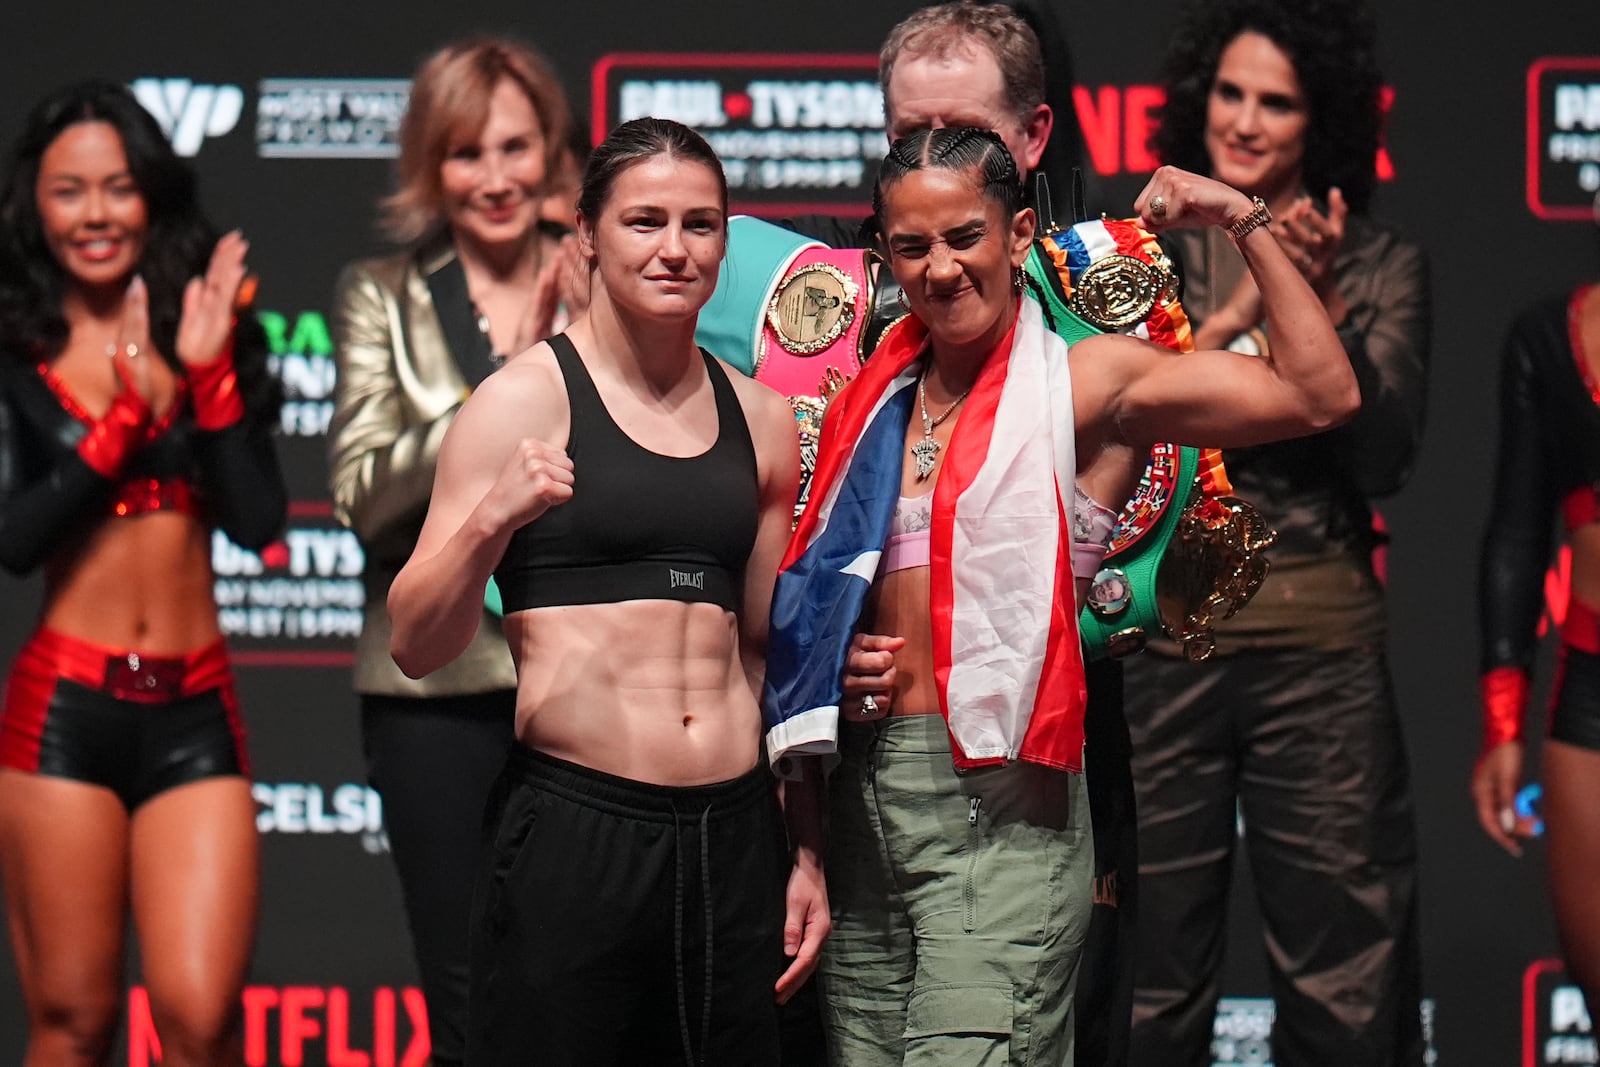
(640, 525)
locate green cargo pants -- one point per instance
(960, 904)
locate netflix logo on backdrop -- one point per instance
(1118, 121)
(310, 1026)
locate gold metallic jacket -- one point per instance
(399, 388)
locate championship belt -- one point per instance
(1184, 553)
(802, 317)
(794, 314)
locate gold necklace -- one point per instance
(925, 450)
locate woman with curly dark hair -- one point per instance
(135, 408)
(1292, 724)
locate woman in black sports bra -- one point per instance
(415, 331)
(124, 787)
(632, 499)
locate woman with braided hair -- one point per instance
(930, 595)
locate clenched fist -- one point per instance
(534, 479)
(1188, 201)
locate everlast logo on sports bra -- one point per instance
(689, 579)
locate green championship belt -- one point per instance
(801, 317)
(1184, 554)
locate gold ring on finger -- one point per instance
(1158, 206)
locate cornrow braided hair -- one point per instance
(954, 148)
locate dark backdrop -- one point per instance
(332, 975)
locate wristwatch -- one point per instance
(1258, 216)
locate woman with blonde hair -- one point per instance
(480, 279)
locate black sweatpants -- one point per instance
(1306, 748)
(433, 759)
(617, 922)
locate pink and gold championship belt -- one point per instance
(791, 313)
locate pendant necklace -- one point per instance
(925, 450)
(496, 359)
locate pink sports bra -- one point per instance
(911, 526)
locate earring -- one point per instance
(1018, 279)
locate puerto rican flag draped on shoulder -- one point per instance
(1007, 662)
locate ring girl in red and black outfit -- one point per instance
(134, 413)
(1549, 464)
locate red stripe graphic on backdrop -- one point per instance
(329, 658)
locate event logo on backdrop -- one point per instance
(187, 112)
(299, 600)
(795, 133)
(1557, 1027)
(1241, 1035)
(350, 810)
(305, 1026)
(1564, 137)
(300, 354)
(330, 118)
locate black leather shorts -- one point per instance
(1575, 712)
(136, 724)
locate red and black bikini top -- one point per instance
(157, 478)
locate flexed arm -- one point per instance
(1140, 393)
(493, 479)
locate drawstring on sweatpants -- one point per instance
(677, 932)
(705, 891)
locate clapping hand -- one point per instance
(209, 303)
